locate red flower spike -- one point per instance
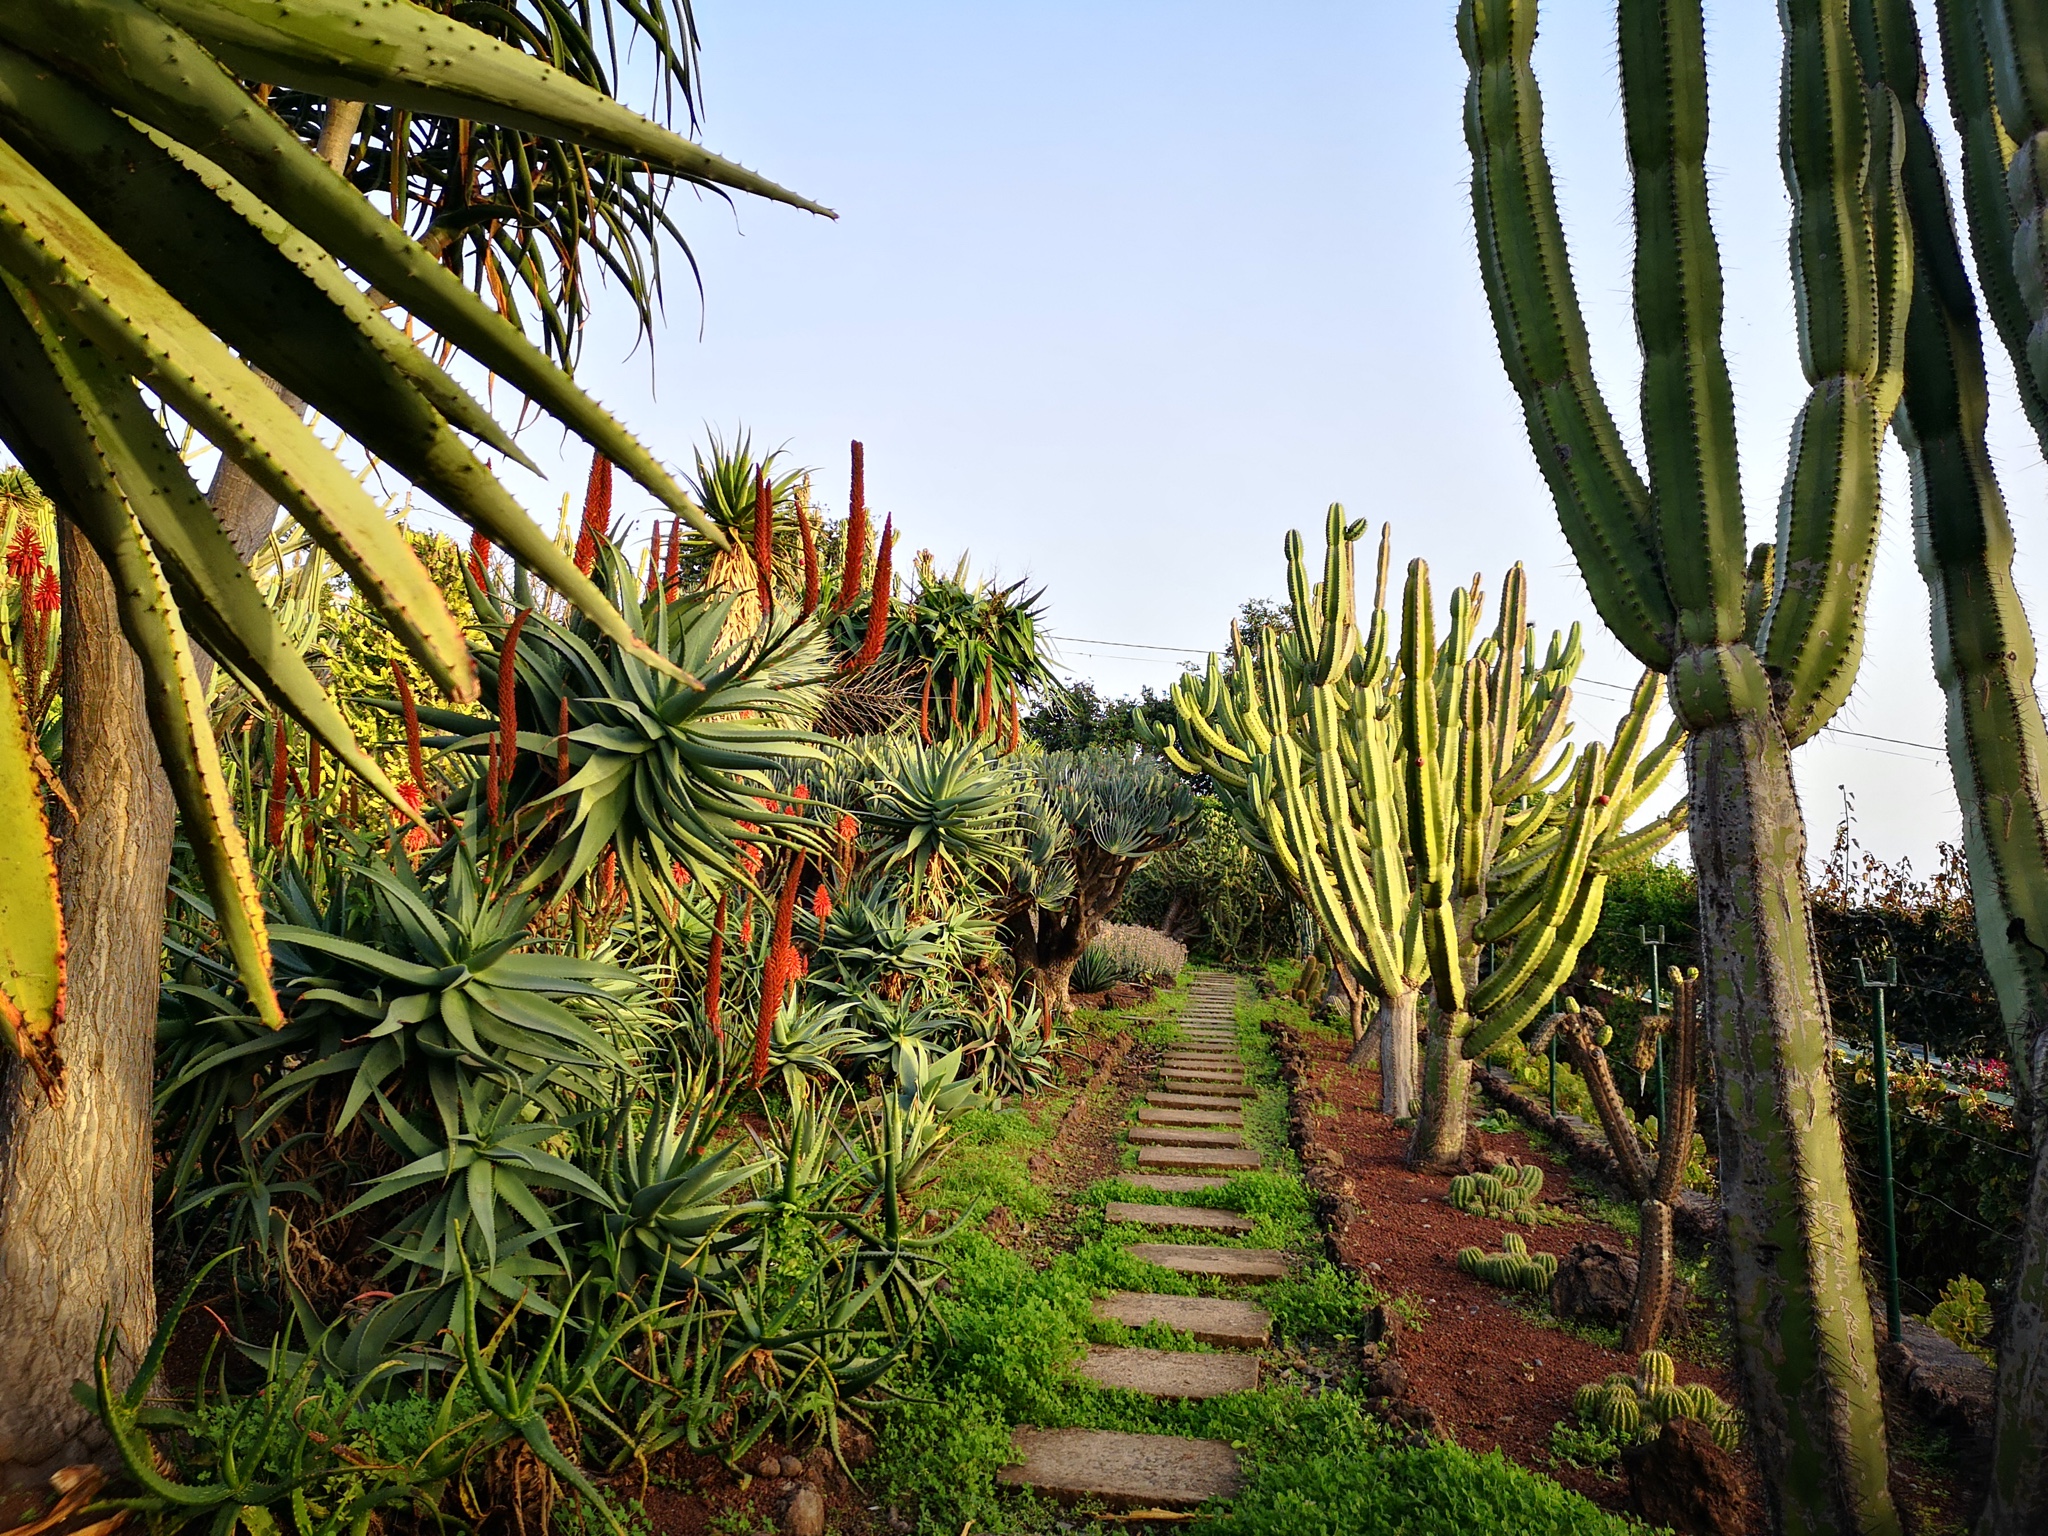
(597, 513)
(480, 559)
(814, 580)
(987, 701)
(801, 792)
(313, 768)
(854, 567)
(410, 710)
(672, 570)
(491, 782)
(48, 596)
(953, 705)
(1016, 725)
(714, 971)
(508, 702)
(280, 779)
(562, 742)
(764, 542)
(924, 711)
(849, 827)
(781, 966)
(25, 554)
(821, 904)
(878, 605)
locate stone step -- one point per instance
(1175, 1083)
(1232, 1103)
(1222, 1063)
(1172, 1183)
(1202, 1259)
(1122, 1470)
(1184, 1078)
(1198, 1157)
(1150, 1116)
(1211, 1319)
(1185, 1136)
(1196, 1216)
(1170, 1372)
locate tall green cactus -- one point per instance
(1429, 809)
(1983, 645)
(1756, 666)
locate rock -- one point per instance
(792, 1466)
(771, 1466)
(1593, 1284)
(1683, 1480)
(856, 1445)
(1945, 1382)
(804, 1514)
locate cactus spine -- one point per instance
(1756, 664)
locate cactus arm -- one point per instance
(1601, 499)
(1851, 270)
(1561, 891)
(1557, 952)
(1688, 406)
(1550, 731)
(1966, 76)
(1510, 680)
(1627, 847)
(1575, 1039)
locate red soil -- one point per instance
(1493, 1373)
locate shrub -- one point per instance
(1963, 1316)
(1127, 952)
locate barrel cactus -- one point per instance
(1513, 1268)
(1633, 1408)
(1510, 1193)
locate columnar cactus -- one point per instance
(1655, 1186)
(1760, 652)
(1425, 806)
(1984, 650)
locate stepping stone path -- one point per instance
(1191, 1125)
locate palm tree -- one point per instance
(166, 231)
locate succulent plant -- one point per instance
(1636, 1407)
(1513, 1268)
(1510, 1193)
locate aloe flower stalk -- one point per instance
(508, 707)
(597, 513)
(878, 604)
(780, 970)
(764, 543)
(410, 710)
(813, 578)
(854, 567)
(280, 777)
(714, 970)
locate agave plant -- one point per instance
(945, 816)
(213, 254)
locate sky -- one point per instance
(1121, 291)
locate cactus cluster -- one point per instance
(1422, 798)
(1635, 1407)
(1512, 1192)
(1514, 1268)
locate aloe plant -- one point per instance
(1760, 651)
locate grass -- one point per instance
(1009, 1325)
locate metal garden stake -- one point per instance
(1876, 986)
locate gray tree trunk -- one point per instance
(1398, 1085)
(75, 1177)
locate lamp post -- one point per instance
(1876, 986)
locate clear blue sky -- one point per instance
(1120, 292)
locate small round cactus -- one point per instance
(1655, 1369)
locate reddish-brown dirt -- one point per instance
(1494, 1372)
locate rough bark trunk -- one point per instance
(1398, 1055)
(2019, 1442)
(1805, 1347)
(1440, 1120)
(75, 1178)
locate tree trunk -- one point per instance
(1439, 1140)
(1805, 1348)
(75, 1179)
(1398, 1055)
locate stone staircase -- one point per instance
(1194, 1125)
